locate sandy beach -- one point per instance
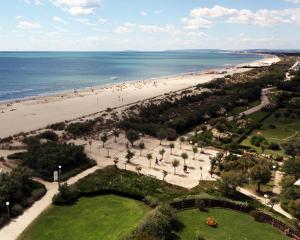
(38, 112)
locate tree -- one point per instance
(129, 156)
(292, 148)
(195, 150)
(132, 136)
(116, 134)
(161, 134)
(260, 174)
(184, 156)
(103, 138)
(165, 173)
(182, 140)
(172, 146)
(149, 157)
(138, 169)
(162, 152)
(141, 147)
(230, 180)
(274, 200)
(175, 164)
(292, 167)
(201, 168)
(294, 208)
(116, 160)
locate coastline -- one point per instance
(39, 111)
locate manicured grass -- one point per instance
(104, 217)
(277, 130)
(232, 225)
(240, 109)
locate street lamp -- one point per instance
(266, 198)
(59, 173)
(274, 167)
(7, 206)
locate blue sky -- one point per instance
(148, 24)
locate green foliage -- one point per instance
(292, 147)
(67, 195)
(49, 135)
(257, 140)
(57, 126)
(80, 128)
(260, 174)
(44, 158)
(292, 167)
(18, 188)
(132, 136)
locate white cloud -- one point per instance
(156, 29)
(204, 17)
(196, 23)
(102, 20)
(78, 7)
(36, 2)
(143, 13)
(26, 25)
(293, 1)
(60, 20)
(125, 28)
(62, 30)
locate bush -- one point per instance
(49, 135)
(171, 134)
(66, 196)
(80, 128)
(274, 146)
(201, 205)
(57, 126)
(151, 201)
(38, 193)
(16, 210)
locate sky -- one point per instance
(113, 25)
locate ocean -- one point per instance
(26, 74)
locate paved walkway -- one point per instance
(18, 225)
(264, 102)
(264, 201)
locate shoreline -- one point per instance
(39, 111)
(97, 87)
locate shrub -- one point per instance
(201, 205)
(38, 193)
(80, 128)
(274, 146)
(199, 236)
(57, 126)
(16, 210)
(171, 134)
(49, 135)
(66, 196)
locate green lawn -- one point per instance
(104, 217)
(232, 225)
(277, 130)
(240, 109)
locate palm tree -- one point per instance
(172, 146)
(103, 138)
(195, 150)
(141, 147)
(184, 156)
(107, 152)
(161, 134)
(116, 134)
(175, 164)
(182, 140)
(138, 169)
(116, 160)
(162, 152)
(201, 178)
(129, 156)
(165, 173)
(149, 157)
